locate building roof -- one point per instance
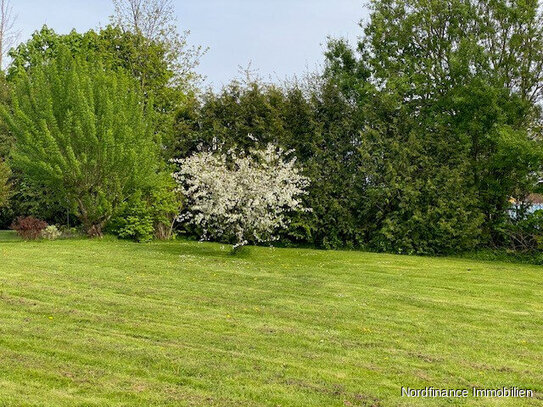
(535, 199)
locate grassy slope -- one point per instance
(181, 323)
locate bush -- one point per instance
(241, 198)
(51, 232)
(133, 222)
(149, 214)
(29, 228)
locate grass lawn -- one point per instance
(108, 323)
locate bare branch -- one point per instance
(154, 19)
(8, 34)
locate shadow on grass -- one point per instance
(185, 247)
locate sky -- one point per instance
(279, 38)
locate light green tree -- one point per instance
(4, 183)
(82, 132)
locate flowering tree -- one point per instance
(241, 198)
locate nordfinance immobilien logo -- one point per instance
(433, 392)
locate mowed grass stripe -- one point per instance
(182, 323)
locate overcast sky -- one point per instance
(279, 37)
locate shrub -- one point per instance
(241, 198)
(133, 222)
(148, 215)
(136, 227)
(51, 232)
(29, 228)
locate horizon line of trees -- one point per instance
(415, 140)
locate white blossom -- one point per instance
(241, 198)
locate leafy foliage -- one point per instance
(83, 135)
(164, 202)
(313, 119)
(524, 233)
(166, 78)
(5, 187)
(412, 154)
(51, 232)
(29, 228)
(133, 222)
(154, 23)
(150, 214)
(448, 118)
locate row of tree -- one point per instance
(414, 141)
(417, 139)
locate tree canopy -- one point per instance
(449, 92)
(417, 139)
(82, 133)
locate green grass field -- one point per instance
(107, 323)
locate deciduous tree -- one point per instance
(241, 197)
(83, 134)
(450, 130)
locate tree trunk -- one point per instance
(95, 231)
(92, 228)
